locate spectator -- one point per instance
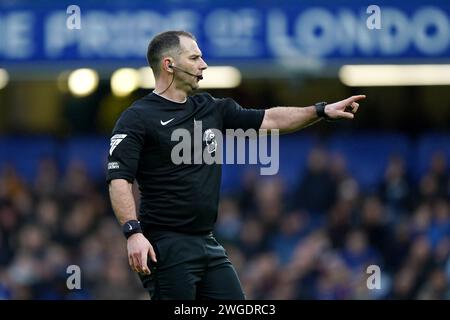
(317, 190)
(395, 190)
(63, 218)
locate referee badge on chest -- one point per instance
(210, 139)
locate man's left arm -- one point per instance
(290, 119)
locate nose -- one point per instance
(203, 65)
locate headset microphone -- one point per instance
(191, 74)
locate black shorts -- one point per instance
(190, 267)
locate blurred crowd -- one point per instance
(311, 241)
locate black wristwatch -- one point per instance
(131, 227)
(320, 110)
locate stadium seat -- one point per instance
(25, 153)
(92, 151)
(426, 147)
(367, 154)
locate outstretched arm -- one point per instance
(290, 119)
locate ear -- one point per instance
(167, 62)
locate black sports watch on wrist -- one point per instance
(320, 110)
(131, 227)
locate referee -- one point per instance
(170, 242)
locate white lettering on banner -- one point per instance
(320, 32)
(107, 36)
(349, 29)
(184, 20)
(16, 37)
(317, 30)
(277, 39)
(230, 32)
(234, 33)
(121, 34)
(437, 42)
(56, 36)
(395, 36)
(363, 36)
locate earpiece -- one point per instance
(179, 69)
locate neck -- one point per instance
(172, 93)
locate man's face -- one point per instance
(190, 60)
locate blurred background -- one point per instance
(373, 191)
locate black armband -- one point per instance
(131, 227)
(320, 110)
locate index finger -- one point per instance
(152, 254)
(356, 98)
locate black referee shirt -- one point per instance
(178, 197)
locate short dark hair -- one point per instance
(161, 44)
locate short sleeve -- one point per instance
(237, 117)
(127, 141)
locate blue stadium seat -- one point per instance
(367, 154)
(25, 153)
(231, 172)
(92, 151)
(294, 150)
(427, 145)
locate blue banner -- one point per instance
(227, 31)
